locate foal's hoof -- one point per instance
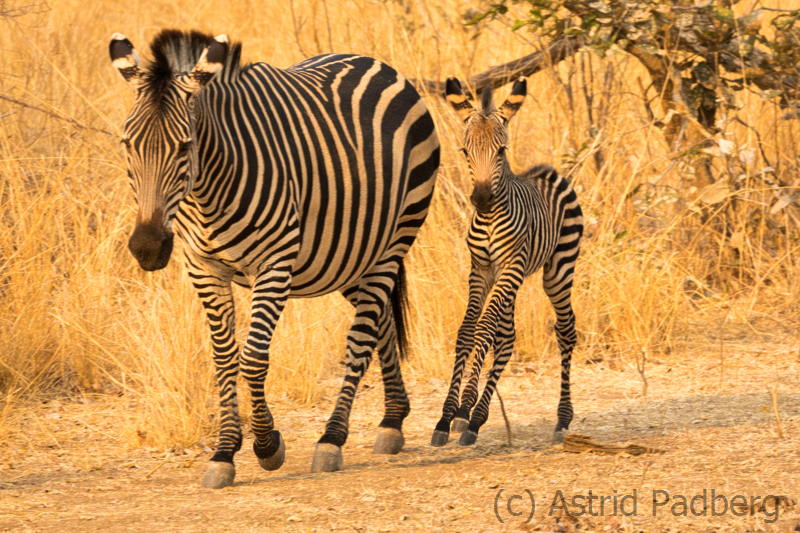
(276, 461)
(219, 475)
(459, 425)
(390, 441)
(468, 438)
(327, 458)
(439, 438)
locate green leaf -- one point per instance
(766, 95)
(723, 15)
(649, 48)
(574, 31)
(620, 235)
(519, 24)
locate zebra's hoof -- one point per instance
(327, 458)
(468, 438)
(439, 438)
(219, 475)
(459, 425)
(390, 441)
(558, 437)
(276, 461)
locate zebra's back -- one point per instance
(336, 157)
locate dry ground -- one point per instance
(65, 466)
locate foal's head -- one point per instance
(485, 137)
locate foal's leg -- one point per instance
(501, 297)
(557, 284)
(478, 288)
(504, 345)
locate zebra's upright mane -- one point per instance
(175, 52)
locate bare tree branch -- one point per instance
(500, 75)
(51, 113)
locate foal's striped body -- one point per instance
(522, 223)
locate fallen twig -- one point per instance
(150, 473)
(503, 410)
(774, 393)
(577, 443)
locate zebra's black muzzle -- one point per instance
(482, 197)
(151, 245)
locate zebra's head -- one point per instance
(160, 134)
(485, 138)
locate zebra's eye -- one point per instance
(502, 150)
(464, 151)
(184, 147)
(126, 141)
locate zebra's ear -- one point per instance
(211, 61)
(514, 100)
(458, 101)
(126, 60)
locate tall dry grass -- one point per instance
(76, 313)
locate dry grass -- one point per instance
(76, 313)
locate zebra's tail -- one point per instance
(399, 302)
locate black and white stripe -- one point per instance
(521, 224)
(296, 182)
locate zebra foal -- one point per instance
(295, 182)
(521, 223)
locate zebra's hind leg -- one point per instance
(390, 431)
(270, 293)
(371, 301)
(452, 418)
(214, 291)
(504, 345)
(557, 281)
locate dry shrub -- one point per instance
(76, 314)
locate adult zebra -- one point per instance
(295, 182)
(521, 224)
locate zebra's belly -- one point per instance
(340, 261)
(321, 276)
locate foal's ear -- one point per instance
(126, 60)
(514, 100)
(458, 101)
(211, 61)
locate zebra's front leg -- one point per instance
(361, 341)
(270, 292)
(478, 288)
(214, 291)
(505, 337)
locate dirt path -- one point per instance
(54, 477)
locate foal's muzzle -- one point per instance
(482, 197)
